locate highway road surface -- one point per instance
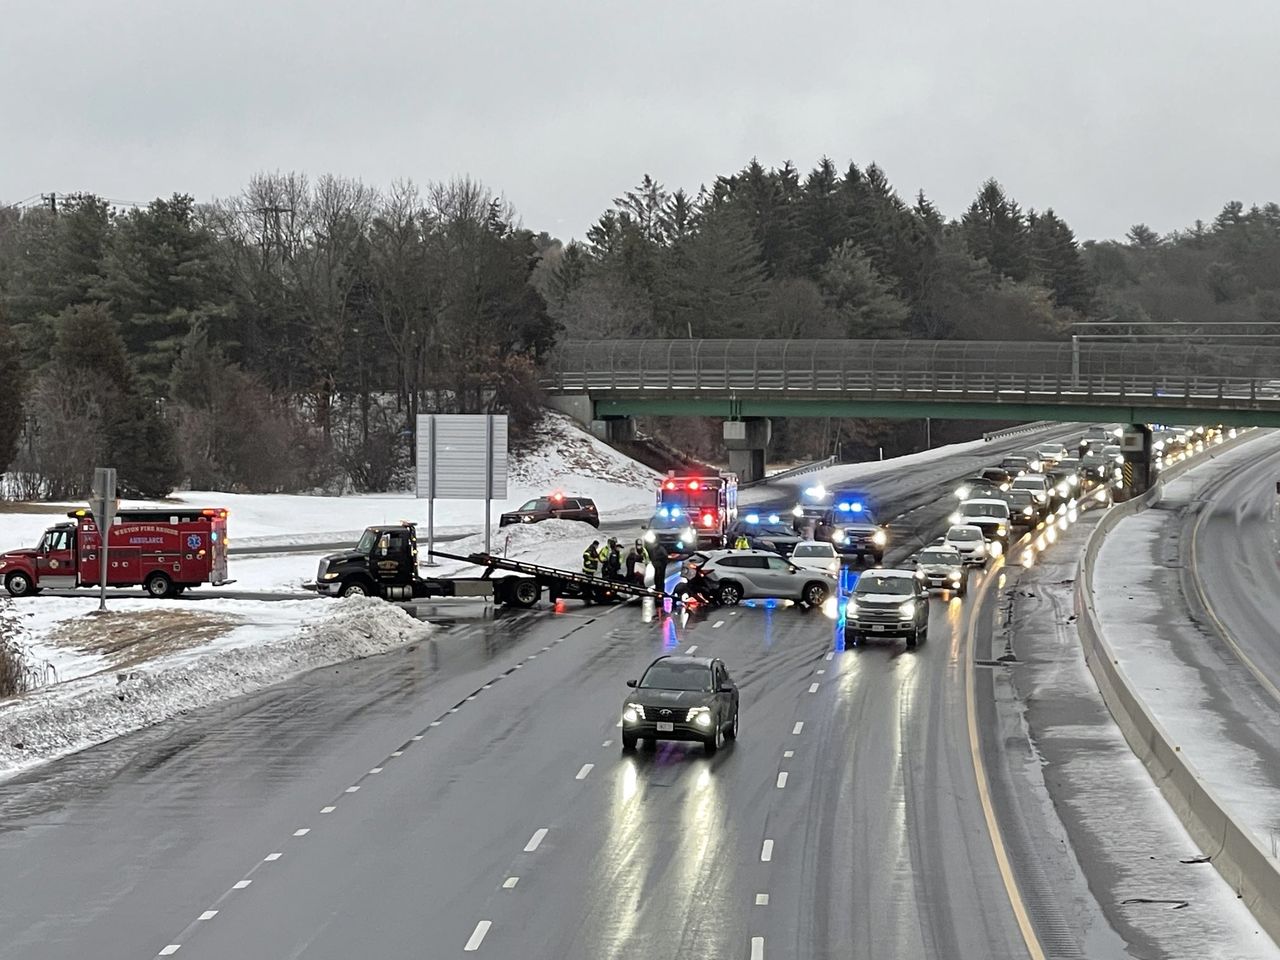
(468, 796)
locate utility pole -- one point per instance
(52, 200)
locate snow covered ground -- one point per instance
(1197, 692)
(565, 458)
(166, 657)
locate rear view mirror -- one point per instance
(631, 683)
(726, 688)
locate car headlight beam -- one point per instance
(879, 538)
(907, 610)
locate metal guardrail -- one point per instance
(1157, 374)
(793, 472)
(1019, 430)
(1235, 852)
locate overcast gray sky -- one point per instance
(1110, 112)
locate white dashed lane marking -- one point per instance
(717, 624)
(813, 687)
(208, 915)
(586, 769)
(538, 836)
(376, 770)
(272, 857)
(830, 654)
(170, 950)
(397, 753)
(782, 779)
(353, 789)
(240, 884)
(766, 851)
(328, 809)
(607, 743)
(692, 649)
(821, 672)
(510, 882)
(762, 899)
(477, 936)
(788, 754)
(757, 948)
(302, 831)
(795, 731)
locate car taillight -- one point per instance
(694, 485)
(708, 520)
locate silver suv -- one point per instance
(734, 575)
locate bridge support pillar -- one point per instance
(747, 440)
(1137, 473)
(614, 429)
(580, 407)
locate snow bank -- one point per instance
(76, 714)
(552, 543)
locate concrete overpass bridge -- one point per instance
(607, 382)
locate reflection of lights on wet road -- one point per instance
(630, 780)
(670, 636)
(1028, 557)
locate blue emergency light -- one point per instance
(669, 512)
(753, 518)
(851, 507)
(773, 518)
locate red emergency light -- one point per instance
(694, 485)
(557, 496)
(708, 519)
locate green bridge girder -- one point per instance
(1068, 411)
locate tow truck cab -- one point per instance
(163, 550)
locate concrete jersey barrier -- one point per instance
(1233, 850)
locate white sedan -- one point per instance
(816, 555)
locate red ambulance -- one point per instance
(162, 550)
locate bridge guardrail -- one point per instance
(1237, 855)
(1155, 374)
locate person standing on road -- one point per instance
(658, 557)
(611, 558)
(591, 559)
(742, 543)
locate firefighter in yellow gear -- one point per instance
(591, 559)
(742, 543)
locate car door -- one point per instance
(783, 578)
(727, 700)
(55, 562)
(752, 573)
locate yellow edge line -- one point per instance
(1025, 927)
(1221, 627)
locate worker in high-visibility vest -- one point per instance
(591, 559)
(742, 543)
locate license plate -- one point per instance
(877, 628)
(665, 727)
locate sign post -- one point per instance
(461, 457)
(103, 507)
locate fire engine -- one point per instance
(693, 512)
(162, 550)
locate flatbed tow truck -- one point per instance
(385, 564)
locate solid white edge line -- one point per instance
(477, 935)
(766, 851)
(586, 768)
(757, 948)
(535, 841)
(795, 731)
(782, 779)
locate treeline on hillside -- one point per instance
(284, 339)
(771, 253)
(280, 340)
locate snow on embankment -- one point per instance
(552, 543)
(562, 457)
(75, 714)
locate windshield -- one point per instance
(963, 535)
(664, 675)
(773, 529)
(1030, 483)
(871, 583)
(367, 540)
(985, 510)
(1014, 462)
(815, 550)
(530, 505)
(940, 556)
(1020, 498)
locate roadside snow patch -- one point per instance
(71, 716)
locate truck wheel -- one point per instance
(815, 593)
(18, 584)
(353, 588)
(525, 593)
(159, 586)
(730, 594)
